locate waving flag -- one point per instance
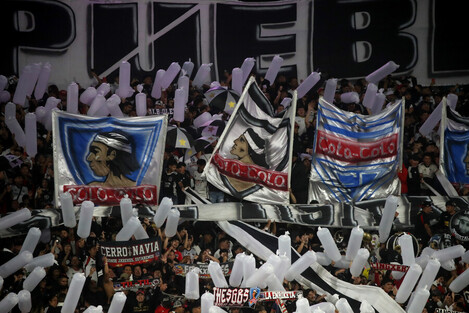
(456, 148)
(355, 157)
(253, 156)
(104, 159)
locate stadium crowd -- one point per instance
(27, 182)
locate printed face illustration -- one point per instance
(240, 147)
(98, 159)
(464, 225)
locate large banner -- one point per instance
(120, 253)
(355, 157)
(252, 158)
(367, 213)
(346, 39)
(105, 159)
(456, 148)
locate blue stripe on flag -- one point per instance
(357, 135)
(374, 123)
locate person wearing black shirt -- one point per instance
(445, 217)
(169, 181)
(413, 176)
(423, 230)
(184, 180)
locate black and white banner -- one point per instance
(182, 269)
(120, 253)
(367, 214)
(263, 245)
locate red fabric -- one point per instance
(403, 178)
(161, 309)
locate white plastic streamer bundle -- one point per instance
(370, 94)
(187, 68)
(74, 293)
(246, 68)
(192, 284)
(237, 80)
(274, 68)
(86, 216)
(117, 303)
(307, 84)
(30, 131)
(354, 242)
(300, 265)
(68, 211)
(329, 90)
(202, 76)
(179, 105)
(236, 275)
(156, 89)
(72, 98)
(15, 263)
(42, 81)
(31, 240)
(387, 218)
(15, 218)
(328, 243)
(124, 89)
(216, 273)
(382, 72)
(170, 75)
(408, 283)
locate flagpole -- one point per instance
(401, 135)
(442, 135)
(230, 121)
(292, 136)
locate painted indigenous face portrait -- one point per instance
(111, 156)
(250, 148)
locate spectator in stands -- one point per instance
(423, 231)
(427, 170)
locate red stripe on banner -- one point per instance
(353, 151)
(281, 305)
(144, 194)
(251, 173)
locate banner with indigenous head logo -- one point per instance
(105, 159)
(456, 148)
(253, 156)
(356, 157)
